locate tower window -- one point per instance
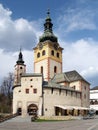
(38, 55)
(52, 52)
(58, 55)
(20, 67)
(55, 69)
(43, 52)
(41, 69)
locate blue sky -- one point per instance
(75, 23)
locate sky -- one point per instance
(75, 23)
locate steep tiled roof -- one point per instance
(31, 74)
(73, 76)
(68, 76)
(95, 88)
(60, 77)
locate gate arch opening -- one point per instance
(32, 109)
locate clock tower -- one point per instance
(48, 53)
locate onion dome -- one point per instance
(48, 33)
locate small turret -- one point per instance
(20, 58)
(20, 68)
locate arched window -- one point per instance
(55, 69)
(41, 69)
(38, 55)
(52, 52)
(43, 52)
(57, 54)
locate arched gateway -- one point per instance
(32, 109)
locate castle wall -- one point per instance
(55, 97)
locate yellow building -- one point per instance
(48, 91)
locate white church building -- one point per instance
(94, 99)
(48, 91)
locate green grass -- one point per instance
(46, 120)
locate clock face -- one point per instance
(55, 46)
(40, 46)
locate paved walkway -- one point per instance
(20, 119)
(20, 123)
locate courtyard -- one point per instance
(20, 123)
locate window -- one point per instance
(85, 87)
(52, 52)
(55, 69)
(38, 55)
(74, 87)
(76, 95)
(80, 95)
(20, 67)
(43, 52)
(31, 79)
(71, 93)
(59, 91)
(31, 86)
(20, 74)
(57, 54)
(41, 69)
(66, 92)
(45, 109)
(34, 90)
(27, 90)
(85, 96)
(52, 91)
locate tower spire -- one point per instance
(48, 33)
(48, 12)
(20, 58)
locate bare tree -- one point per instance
(6, 91)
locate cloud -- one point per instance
(16, 33)
(74, 19)
(13, 35)
(7, 63)
(82, 56)
(8, 60)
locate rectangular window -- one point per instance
(66, 92)
(27, 90)
(34, 90)
(52, 91)
(59, 91)
(71, 93)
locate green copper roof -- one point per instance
(48, 33)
